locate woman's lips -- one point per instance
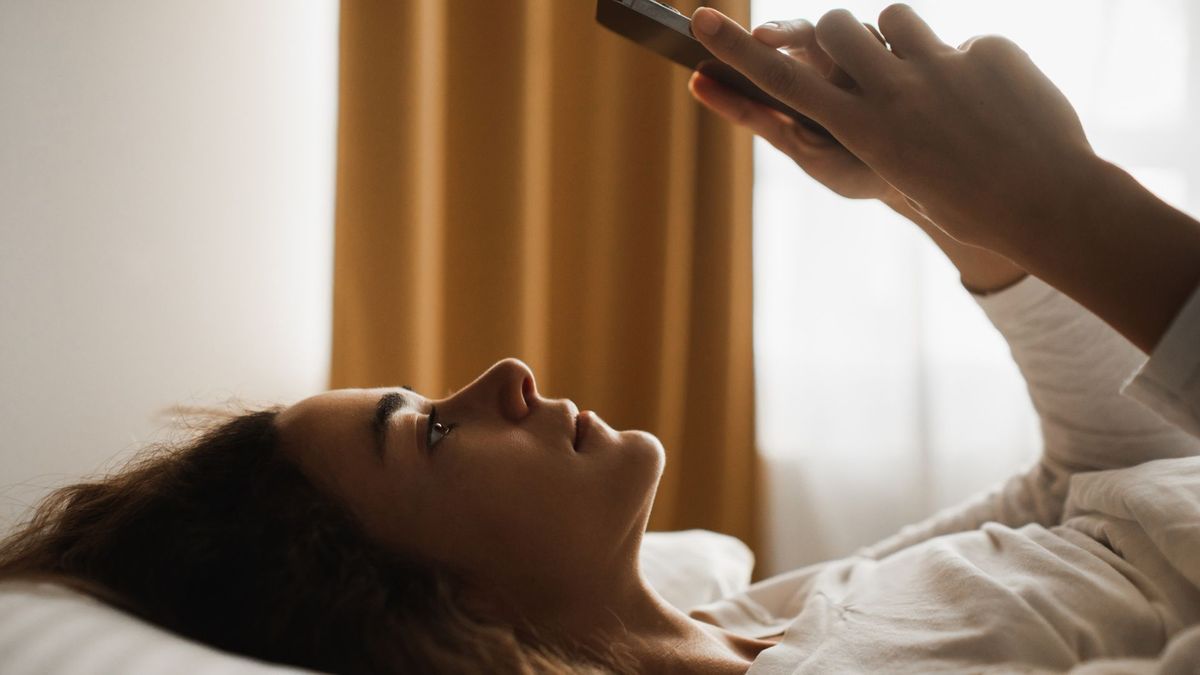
(582, 421)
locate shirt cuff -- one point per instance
(1169, 382)
(1013, 305)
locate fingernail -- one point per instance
(773, 26)
(706, 21)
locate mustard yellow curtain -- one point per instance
(513, 180)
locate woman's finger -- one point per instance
(855, 48)
(774, 72)
(876, 34)
(908, 33)
(763, 121)
(813, 56)
(790, 34)
(811, 53)
(823, 63)
(797, 38)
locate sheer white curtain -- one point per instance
(883, 392)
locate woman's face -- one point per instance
(497, 486)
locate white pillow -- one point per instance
(45, 628)
(694, 567)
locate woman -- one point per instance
(497, 530)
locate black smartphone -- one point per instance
(668, 31)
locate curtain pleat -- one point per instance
(514, 180)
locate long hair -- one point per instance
(222, 539)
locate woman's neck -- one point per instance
(632, 619)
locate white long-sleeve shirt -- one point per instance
(1092, 554)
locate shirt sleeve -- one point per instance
(1074, 366)
(1169, 383)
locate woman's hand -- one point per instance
(977, 138)
(833, 165)
(829, 163)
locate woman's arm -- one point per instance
(1120, 251)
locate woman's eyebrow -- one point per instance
(388, 404)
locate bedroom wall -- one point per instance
(166, 201)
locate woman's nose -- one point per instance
(508, 386)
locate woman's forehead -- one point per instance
(335, 400)
(332, 411)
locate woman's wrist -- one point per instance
(981, 271)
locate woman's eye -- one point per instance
(437, 430)
(437, 433)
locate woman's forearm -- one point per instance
(982, 271)
(1118, 250)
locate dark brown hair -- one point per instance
(223, 540)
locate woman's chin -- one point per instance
(633, 444)
(646, 447)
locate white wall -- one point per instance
(166, 200)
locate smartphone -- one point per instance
(666, 30)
